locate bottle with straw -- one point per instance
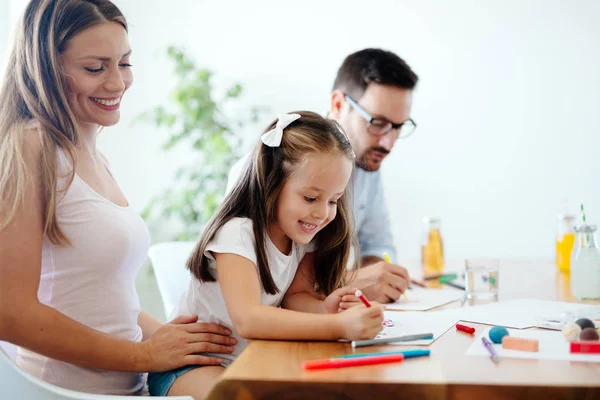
(585, 262)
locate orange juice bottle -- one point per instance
(432, 247)
(565, 238)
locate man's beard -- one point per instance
(368, 164)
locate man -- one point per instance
(371, 99)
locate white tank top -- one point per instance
(92, 282)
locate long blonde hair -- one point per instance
(256, 193)
(35, 89)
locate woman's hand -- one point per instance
(178, 343)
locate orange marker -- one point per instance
(362, 298)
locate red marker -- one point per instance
(465, 328)
(351, 362)
(587, 347)
(362, 298)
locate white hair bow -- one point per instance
(274, 136)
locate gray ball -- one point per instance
(585, 323)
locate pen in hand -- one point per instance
(362, 298)
(386, 257)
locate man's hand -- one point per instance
(382, 282)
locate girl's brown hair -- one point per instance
(255, 197)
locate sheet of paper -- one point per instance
(519, 314)
(421, 299)
(553, 346)
(409, 323)
(558, 320)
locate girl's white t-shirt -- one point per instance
(206, 299)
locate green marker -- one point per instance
(447, 278)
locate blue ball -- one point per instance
(497, 333)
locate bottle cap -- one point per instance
(585, 228)
(565, 217)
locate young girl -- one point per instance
(281, 238)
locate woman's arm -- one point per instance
(241, 289)
(23, 319)
(26, 322)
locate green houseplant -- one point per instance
(195, 117)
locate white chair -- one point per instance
(17, 384)
(10, 349)
(173, 278)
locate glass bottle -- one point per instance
(565, 238)
(585, 264)
(432, 247)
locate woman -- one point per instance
(70, 245)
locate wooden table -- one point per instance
(272, 369)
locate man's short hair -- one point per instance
(373, 65)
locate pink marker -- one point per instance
(362, 298)
(351, 362)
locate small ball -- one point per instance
(497, 333)
(571, 331)
(588, 334)
(585, 323)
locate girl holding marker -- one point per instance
(271, 262)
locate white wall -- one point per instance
(505, 106)
(4, 23)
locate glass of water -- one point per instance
(482, 278)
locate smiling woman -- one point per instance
(98, 73)
(70, 246)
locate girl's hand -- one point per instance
(361, 322)
(332, 304)
(178, 343)
(350, 300)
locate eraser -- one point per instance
(585, 347)
(515, 343)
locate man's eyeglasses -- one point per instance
(381, 126)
